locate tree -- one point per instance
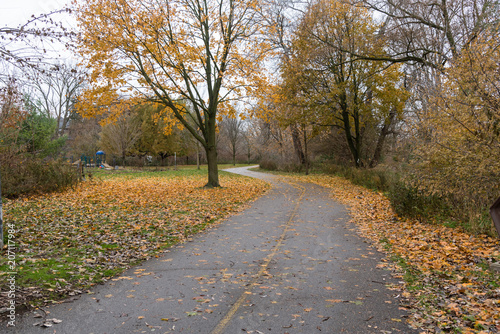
(248, 143)
(427, 32)
(231, 129)
(25, 47)
(206, 53)
(160, 136)
(83, 136)
(426, 36)
(12, 112)
(281, 19)
(57, 91)
(120, 137)
(37, 135)
(457, 152)
(327, 85)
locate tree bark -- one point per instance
(305, 151)
(297, 144)
(197, 155)
(213, 171)
(350, 140)
(211, 150)
(381, 138)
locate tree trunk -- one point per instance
(213, 172)
(381, 138)
(198, 155)
(297, 144)
(349, 138)
(234, 155)
(211, 150)
(305, 151)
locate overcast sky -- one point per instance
(15, 12)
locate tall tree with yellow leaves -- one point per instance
(458, 154)
(204, 53)
(326, 84)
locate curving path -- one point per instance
(288, 264)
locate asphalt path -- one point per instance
(290, 263)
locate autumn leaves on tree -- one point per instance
(338, 73)
(193, 57)
(324, 84)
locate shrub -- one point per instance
(25, 174)
(410, 201)
(268, 164)
(291, 167)
(377, 179)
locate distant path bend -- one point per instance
(290, 263)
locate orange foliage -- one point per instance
(168, 51)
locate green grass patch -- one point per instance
(411, 275)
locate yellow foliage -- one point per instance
(166, 50)
(459, 155)
(324, 81)
(174, 52)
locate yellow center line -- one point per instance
(232, 311)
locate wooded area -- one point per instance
(399, 95)
(113, 126)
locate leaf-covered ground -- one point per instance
(447, 285)
(67, 242)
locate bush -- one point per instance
(410, 201)
(25, 174)
(291, 168)
(268, 165)
(377, 179)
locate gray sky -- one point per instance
(15, 12)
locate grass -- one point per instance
(69, 241)
(165, 168)
(411, 275)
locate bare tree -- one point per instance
(430, 32)
(26, 45)
(120, 137)
(231, 130)
(83, 136)
(57, 91)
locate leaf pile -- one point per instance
(448, 285)
(66, 242)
